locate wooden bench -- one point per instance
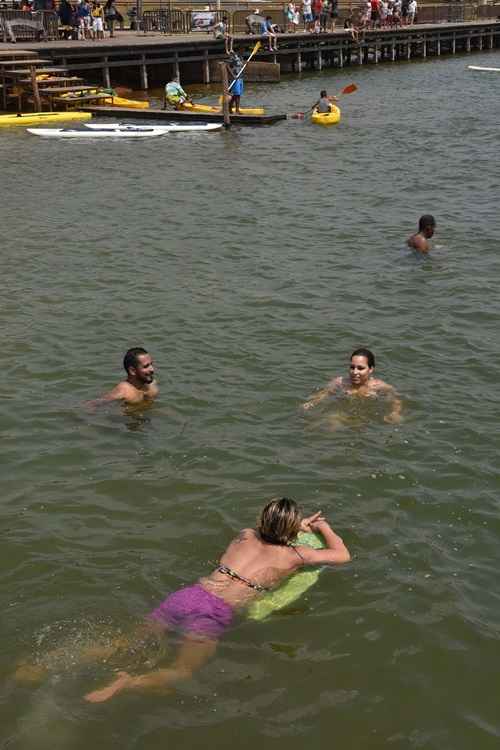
(79, 100)
(8, 26)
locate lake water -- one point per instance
(250, 264)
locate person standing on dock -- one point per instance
(98, 20)
(412, 10)
(375, 13)
(110, 14)
(84, 19)
(307, 15)
(334, 13)
(323, 16)
(420, 240)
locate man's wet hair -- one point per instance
(369, 356)
(427, 220)
(131, 358)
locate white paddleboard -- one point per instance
(167, 128)
(478, 67)
(66, 133)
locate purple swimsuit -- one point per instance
(196, 611)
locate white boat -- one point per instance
(479, 67)
(67, 133)
(171, 128)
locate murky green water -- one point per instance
(250, 264)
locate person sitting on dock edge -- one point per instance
(420, 240)
(220, 31)
(269, 30)
(175, 94)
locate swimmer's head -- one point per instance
(361, 367)
(279, 522)
(369, 356)
(139, 365)
(427, 225)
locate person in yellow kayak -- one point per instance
(175, 94)
(324, 103)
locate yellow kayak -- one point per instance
(119, 101)
(36, 118)
(218, 110)
(326, 118)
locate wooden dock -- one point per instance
(125, 113)
(144, 60)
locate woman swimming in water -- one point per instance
(256, 561)
(360, 383)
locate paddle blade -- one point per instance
(256, 48)
(297, 116)
(349, 89)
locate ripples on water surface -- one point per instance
(250, 264)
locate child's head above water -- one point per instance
(279, 522)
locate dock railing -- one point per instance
(28, 26)
(185, 17)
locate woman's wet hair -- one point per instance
(370, 358)
(131, 357)
(279, 522)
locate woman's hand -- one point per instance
(308, 524)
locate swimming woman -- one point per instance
(360, 383)
(255, 562)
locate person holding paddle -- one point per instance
(324, 103)
(329, 100)
(236, 88)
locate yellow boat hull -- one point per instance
(119, 101)
(36, 118)
(217, 110)
(326, 118)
